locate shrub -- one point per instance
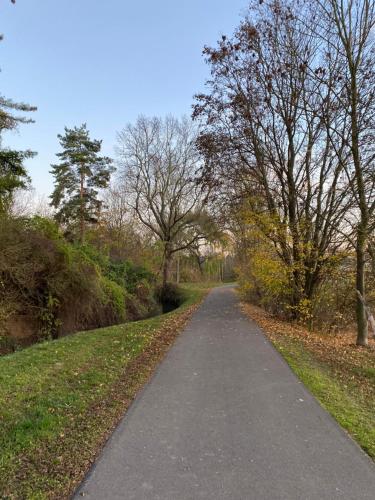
(128, 275)
(42, 275)
(114, 301)
(55, 287)
(264, 279)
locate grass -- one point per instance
(60, 400)
(345, 402)
(339, 374)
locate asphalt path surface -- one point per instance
(224, 417)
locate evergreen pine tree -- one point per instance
(79, 175)
(13, 175)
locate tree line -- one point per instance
(115, 233)
(278, 158)
(288, 136)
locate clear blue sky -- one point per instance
(103, 62)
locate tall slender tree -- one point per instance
(79, 176)
(347, 34)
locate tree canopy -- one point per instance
(158, 163)
(79, 176)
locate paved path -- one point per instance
(225, 418)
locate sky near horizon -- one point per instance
(103, 63)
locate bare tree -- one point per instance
(347, 30)
(158, 161)
(116, 211)
(266, 138)
(27, 202)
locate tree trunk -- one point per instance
(82, 214)
(167, 260)
(362, 325)
(199, 262)
(178, 270)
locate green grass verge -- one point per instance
(344, 398)
(59, 400)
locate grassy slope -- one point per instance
(60, 400)
(339, 374)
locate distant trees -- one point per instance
(79, 176)
(158, 162)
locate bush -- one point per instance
(264, 279)
(42, 274)
(334, 302)
(128, 275)
(114, 301)
(51, 287)
(143, 303)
